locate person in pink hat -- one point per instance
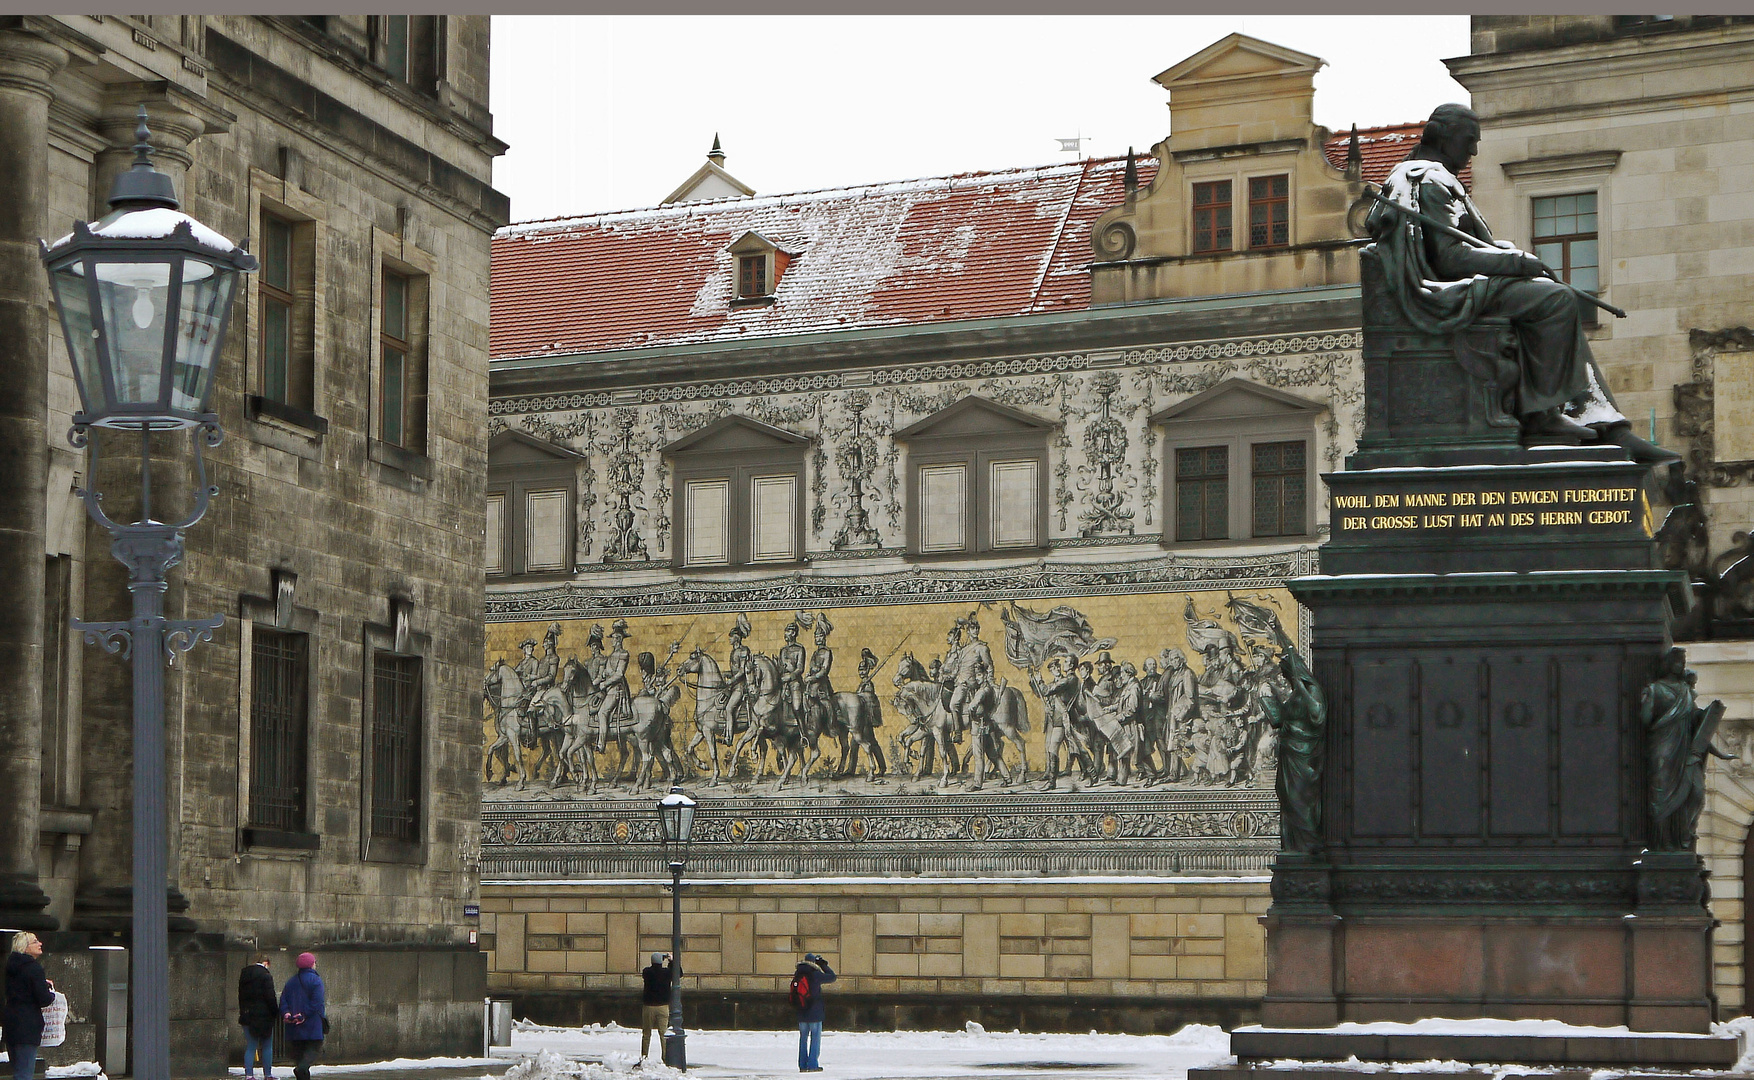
(301, 1009)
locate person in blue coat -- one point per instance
(807, 982)
(301, 1010)
(28, 993)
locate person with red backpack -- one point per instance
(806, 995)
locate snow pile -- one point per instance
(1742, 1027)
(86, 1069)
(1202, 1037)
(548, 1065)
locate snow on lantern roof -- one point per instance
(152, 224)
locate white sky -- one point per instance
(614, 112)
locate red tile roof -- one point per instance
(1382, 148)
(973, 246)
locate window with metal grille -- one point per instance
(1566, 240)
(751, 276)
(1279, 477)
(1202, 493)
(395, 737)
(279, 687)
(1212, 216)
(1269, 211)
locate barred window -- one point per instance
(1202, 493)
(396, 736)
(1212, 216)
(279, 686)
(1279, 475)
(1269, 212)
(752, 276)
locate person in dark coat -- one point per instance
(654, 1011)
(301, 1008)
(28, 993)
(258, 1008)
(814, 970)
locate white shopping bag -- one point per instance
(55, 1021)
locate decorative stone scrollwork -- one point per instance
(1116, 241)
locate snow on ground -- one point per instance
(601, 1052)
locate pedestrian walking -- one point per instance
(257, 1010)
(654, 1009)
(301, 1009)
(807, 982)
(28, 993)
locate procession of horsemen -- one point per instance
(957, 722)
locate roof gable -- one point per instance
(1237, 56)
(1237, 399)
(974, 416)
(710, 181)
(732, 434)
(512, 447)
(753, 243)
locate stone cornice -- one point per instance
(1327, 310)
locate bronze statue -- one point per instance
(1678, 736)
(1301, 719)
(1446, 271)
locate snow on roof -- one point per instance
(1382, 148)
(970, 246)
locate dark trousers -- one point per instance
(304, 1055)
(1556, 355)
(24, 1061)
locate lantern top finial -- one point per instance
(141, 185)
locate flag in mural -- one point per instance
(1032, 637)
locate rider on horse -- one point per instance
(617, 701)
(818, 691)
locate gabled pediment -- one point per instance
(1238, 56)
(1237, 399)
(975, 416)
(754, 243)
(736, 434)
(511, 448)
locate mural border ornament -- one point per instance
(1037, 579)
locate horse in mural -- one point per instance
(921, 700)
(853, 725)
(772, 722)
(648, 731)
(577, 756)
(1007, 720)
(712, 721)
(504, 692)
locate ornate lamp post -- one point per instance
(676, 821)
(144, 294)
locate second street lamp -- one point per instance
(144, 294)
(676, 822)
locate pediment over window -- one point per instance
(1238, 399)
(975, 416)
(1238, 57)
(753, 243)
(738, 434)
(510, 449)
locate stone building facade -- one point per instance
(910, 441)
(1621, 148)
(321, 793)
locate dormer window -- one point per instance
(760, 264)
(751, 276)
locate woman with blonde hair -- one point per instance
(28, 993)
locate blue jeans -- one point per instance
(264, 1047)
(24, 1061)
(809, 1044)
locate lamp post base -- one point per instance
(676, 1049)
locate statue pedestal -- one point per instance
(1485, 620)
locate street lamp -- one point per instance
(676, 820)
(144, 294)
